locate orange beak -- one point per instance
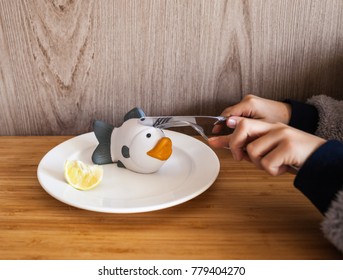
(162, 150)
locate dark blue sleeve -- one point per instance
(304, 116)
(321, 176)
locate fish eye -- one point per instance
(148, 135)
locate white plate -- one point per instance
(191, 170)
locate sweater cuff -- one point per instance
(304, 116)
(321, 176)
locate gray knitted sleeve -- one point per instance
(332, 225)
(330, 126)
(330, 117)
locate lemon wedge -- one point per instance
(82, 176)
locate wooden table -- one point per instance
(246, 214)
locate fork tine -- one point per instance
(161, 121)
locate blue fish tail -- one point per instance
(103, 132)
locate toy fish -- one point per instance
(137, 147)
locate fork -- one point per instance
(167, 123)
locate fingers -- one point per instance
(273, 147)
(267, 145)
(245, 108)
(259, 142)
(276, 162)
(245, 132)
(262, 146)
(242, 109)
(269, 153)
(256, 107)
(219, 142)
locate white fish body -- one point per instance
(134, 146)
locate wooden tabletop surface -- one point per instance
(245, 214)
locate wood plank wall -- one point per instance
(64, 63)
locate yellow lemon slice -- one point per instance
(82, 176)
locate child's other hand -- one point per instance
(272, 147)
(256, 107)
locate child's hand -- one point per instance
(272, 147)
(256, 107)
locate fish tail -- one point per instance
(102, 153)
